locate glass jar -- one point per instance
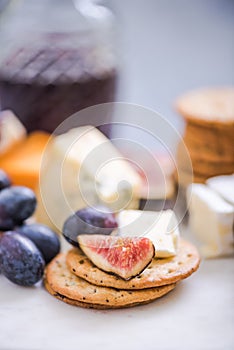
(59, 57)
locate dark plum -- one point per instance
(22, 263)
(6, 222)
(43, 237)
(90, 220)
(0, 256)
(4, 180)
(17, 203)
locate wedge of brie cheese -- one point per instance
(83, 168)
(211, 220)
(224, 186)
(160, 227)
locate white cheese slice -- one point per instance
(224, 186)
(211, 220)
(11, 130)
(160, 227)
(82, 168)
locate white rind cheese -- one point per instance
(211, 220)
(160, 227)
(224, 186)
(82, 168)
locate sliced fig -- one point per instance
(124, 256)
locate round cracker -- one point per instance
(205, 153)
(87, 305)
(208, 106)
(211, 168)
(208, 151)
(61, 280)
(205, 168)
(71, 301)
(202, 168)
(210, 132)
(159, 273)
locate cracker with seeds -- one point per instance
(89, 305)
(211, 106)
(74, 290)
(159, 273)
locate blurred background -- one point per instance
(169, 47)
(162, 48)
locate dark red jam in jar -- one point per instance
(44, 86)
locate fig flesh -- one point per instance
(125, 257)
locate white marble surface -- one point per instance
(198, 314)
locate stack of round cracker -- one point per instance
(209, 134)
(72, 278)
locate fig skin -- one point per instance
(91, 221)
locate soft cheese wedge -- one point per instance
(160, 227)
(224, 186)
(211, 220)
(83, 168)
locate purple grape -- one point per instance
(4, 180)
(43, 237)
(21, 261)
(17, 203)
(90, 220)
